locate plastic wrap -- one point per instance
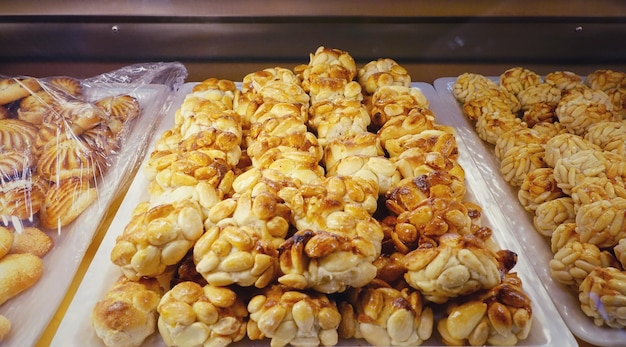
(68, 148)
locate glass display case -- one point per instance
(230, 39)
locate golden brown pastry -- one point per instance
(15, 163)
(604, 79)
(157, 237)
(32, 240)
(575, 260)
(500, 316)
(550, 214)
(18, 272)
(538, 187)
(490, 127)
(485, 106)
(541, 112)
(601, 296)
(36, 107)
(519, 161)
(17, 134)
(22, 198)
(382, 72)
(327, 62)
(65, 201)
(519, 137)
(416, 121)
(579, 109)
(192, 315)
(391, 101)
(564, 145)
(379, 170)
(12, 89)
(571, 171)
(385, 316)
(602, 222)
(563, 80)
(562, 235)
(540, 93)
(458, 265)
(468, 85)
(517, 79)
(127, 314)
(71, 158)
(290, 317)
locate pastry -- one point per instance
(127, 314)
(18, 272)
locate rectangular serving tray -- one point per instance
(548, 329)
(535, 247)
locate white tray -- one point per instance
(31, 311)
(548, 328)
(536, 248)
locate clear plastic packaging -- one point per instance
(548, 328)
(535, 247)
(69, 148)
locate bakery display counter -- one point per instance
(433, 41)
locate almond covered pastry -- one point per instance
(157, 237)
(127, 314)
(382, 72)
(193, 315)
(291, 317)
(380, 170)
(327, 62)
(390, 101)
(499, 316)
(458, 265)
(385, 316)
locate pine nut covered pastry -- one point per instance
(157, 237)
(490, 127)
(385, 316)
(457, 265)
(538, 186)
(540, 93)
(517, 138)
(602, 222)
(519, 161)
(195, 315)
(592, 189)
(517, 79)
(618, 99)
(382, 72)
(579, 109)
(483, 106)
(601, 296)
(564, 80)
(542, 112)
(565, 145)
(575, 260)
(571, 171)
(605, 79)
(603, 133)
(291, 317)
(550, 214)
(127, 313)
(468, 85)
(499, 316)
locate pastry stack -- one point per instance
(560, 142)
(326, 198)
